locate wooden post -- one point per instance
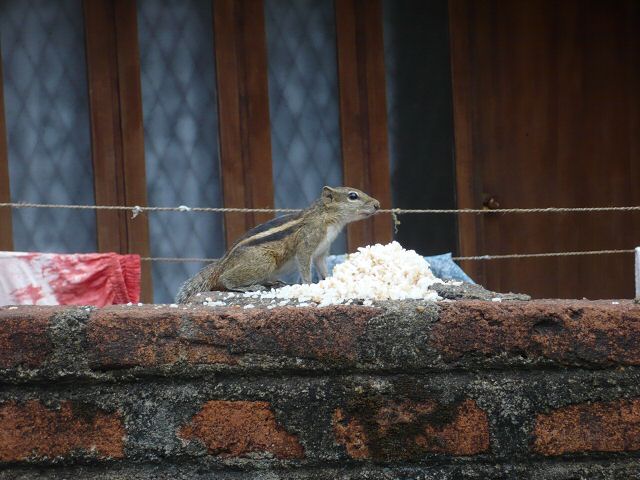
(6, 230)
(637, 273)
(243, 112)
(117, 131)
(468, 183)
(363, 112)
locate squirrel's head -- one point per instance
(352, 203)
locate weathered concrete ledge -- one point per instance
(465, 389)
(129, 341)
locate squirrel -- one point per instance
(256, 260)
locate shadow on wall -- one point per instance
(419, 105)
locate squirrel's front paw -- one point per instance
(275, 284)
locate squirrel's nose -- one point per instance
(376, 205)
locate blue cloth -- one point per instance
(442, 266)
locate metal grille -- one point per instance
(303, 101)
(181, 134)
(47, 116)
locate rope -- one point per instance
(517, 210)
(176, 259)
(538, 255)
(479, 257)
(136, 209)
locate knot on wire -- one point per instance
(135, 211)
(394, 216)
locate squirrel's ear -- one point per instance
(327, 194)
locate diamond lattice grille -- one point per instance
(303, 101)
(181, 134)
(47, 116)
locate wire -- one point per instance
(136, 209)
(517, 210)
(478, 257)
(177, 259)
(539, 255)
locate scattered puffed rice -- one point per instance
(217, 303)
(375, 272)
(496, 299)
(173, 305)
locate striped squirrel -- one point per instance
(277, 247)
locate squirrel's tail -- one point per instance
(200, 282)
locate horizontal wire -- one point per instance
(538, 255)
(517, 210)
(478, 257)
(177, 259)
(136, 209)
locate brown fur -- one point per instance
(255, 260)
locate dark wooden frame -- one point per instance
(468, 180)
(243, 111)
(363, 112)
(6, 226)
(117, 132)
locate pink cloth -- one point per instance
(68, 279)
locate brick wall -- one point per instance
(405, 390)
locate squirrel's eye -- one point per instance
(353, 196)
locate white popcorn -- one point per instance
(375, 272)
(216, 303)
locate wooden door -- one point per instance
(547, 113)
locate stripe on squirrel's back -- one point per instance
(272, 230)
(274, 222)
(277, 234)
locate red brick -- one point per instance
(596, 427)
(391, 430)
(237, 428)
(31, 430)
(23, 336)
(121, 337)
(567, 332)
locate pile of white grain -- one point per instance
(375, 272)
